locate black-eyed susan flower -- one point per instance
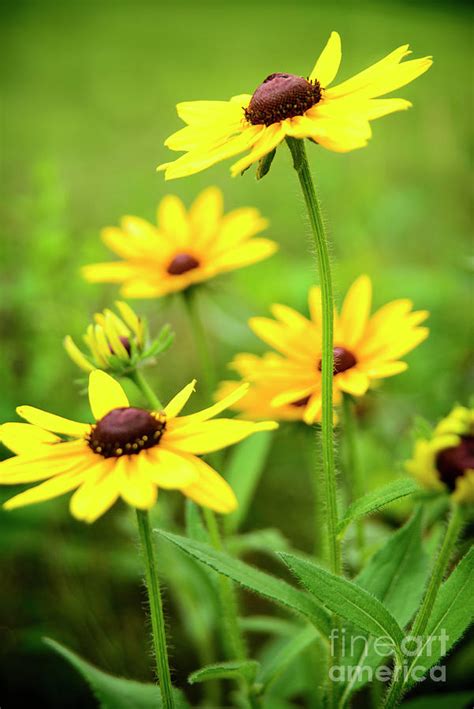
(117, 343)
(128, 452)
(185, 248)
(445, 462)
(337, 118)
(366, 348)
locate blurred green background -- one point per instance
(89, 91)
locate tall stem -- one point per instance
(137, 377)
(420, 623)
(300, 163)
(156, 609)
(353, 470)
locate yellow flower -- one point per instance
(366, 348)
(128, 452)
(336, 118)
(117, 344)
(185, 248)
(446, 460)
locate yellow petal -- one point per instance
(97, 493)
(129, 316)
(113, 272)
(25, 438)
(329, 61)
(382, 370)
(39, 465)
(213, 435)
(355, 311)
(245, 254)
(136, 488)
(51, 422)
(173, 220)
(179, 401)
(167, 468)
(353, 382)
(268, 139)
(76, 355)
(214, 410)
(54, 487)
(365, 78)
(313, 409)
(238, 226)
(205, 215)
(211, 490)
(105, 394)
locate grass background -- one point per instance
(89, 90)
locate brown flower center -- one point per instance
(453, 462)
(282, 96)
(126, 431)
(343, 359)
(182, 263)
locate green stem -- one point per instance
(156, 609)
(422, 618)
(353, 469)
(137, 377)
(300, 163)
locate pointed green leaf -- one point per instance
(375, 500)
(195, 528)
(115, 692)
(237, 669)
(452, 615)
(396, 575)
(253, 579)
(243, 472)
(346, 599)
(263, 540)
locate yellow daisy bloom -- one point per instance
(337, 118)
(446, 461)
(117, 344)
(366, 348)
(128, 452)
(184, 249)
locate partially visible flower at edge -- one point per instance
(337, 118)
(118, 344)
(445, 462)
(366, 348)
(128, 452)
(185, 248)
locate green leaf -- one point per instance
(195, 528)
(237, 669)
(263, 540)
(346, 599)
(451, 616)
(253, 579)
(375, 500)
(396, 575)
(267, 624)
(287, 653)
(265, 164)
(114, 692)
(243, 472)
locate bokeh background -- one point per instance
(89, 92)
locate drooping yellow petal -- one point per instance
(112, 272)
(25, 438)
(97, 493)
(268, 139)
(56, 486)
(355, 311)
(214, 410)
(211, 490)
(329, 61)
(213, 435)
(76, 355)
(41, 464)
(105, 394)
(168, 469)
(383, 369)
(179, 401)
(136, 488)
(51, 422)
(353, 382)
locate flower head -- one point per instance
(128, 452)
(184, 249)
(446, 460)
(366, 348)
(337, 118)
(117, 344)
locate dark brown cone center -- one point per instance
(126, 431)
(282, 96)
(453, 462)
(343, 359)
(182, 263)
